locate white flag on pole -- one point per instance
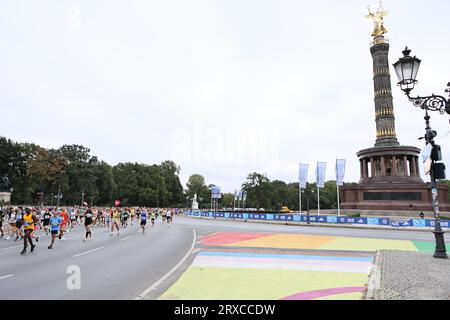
(340, 171)
(303, 175)
(320, 174)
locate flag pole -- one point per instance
(299, 198)
(338, 204)
(318, 199)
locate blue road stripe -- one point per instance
(284, 256)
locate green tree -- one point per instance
(196, 185)
(258, 190)
(227, 200)
(170, 173)
(105, 183)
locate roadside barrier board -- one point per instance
(373, 221)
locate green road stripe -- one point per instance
(426, 246)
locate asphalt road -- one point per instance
(124, 266)
(111, 267)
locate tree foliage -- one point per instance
(80, 177)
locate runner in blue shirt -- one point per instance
(55, 223)
(143, 220)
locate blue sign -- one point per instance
(400, 224)
(342, 220)
(218, 215)
(332, 219)
(257, 216)
(419, 223)
(321, 219)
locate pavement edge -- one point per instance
(374, 278)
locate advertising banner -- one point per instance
(303, 175)
(320, 174)
(340, 171)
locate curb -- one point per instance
(374, 279)
(172, 271)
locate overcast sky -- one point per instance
(222, 87)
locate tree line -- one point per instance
(262, 193)
(39, 175)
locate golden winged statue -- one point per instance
(377, 17)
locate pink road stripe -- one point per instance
(324, 293)
(225, 238)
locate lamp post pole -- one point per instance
(406, 69)
(59, 196)
(440, 251)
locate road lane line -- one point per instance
(168, 274)
(87, 252)
(126, 238)
(15, 247)
(7, 276)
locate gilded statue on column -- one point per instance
(377, 18)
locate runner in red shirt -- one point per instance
(65, 220)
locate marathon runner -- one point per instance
(107, 214)
(163, 215)
(73, 218)
(65, 220)
(2, 215)
(87, 223)
(19, 223)
(37, 223)
(143, 216)
(132, 215)
(55, 223)
(115, 221)
(47, 216)
(12, 225)
(125, 218)
(28, 225)
(168, 216)
(153, 217)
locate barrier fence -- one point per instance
(372, 221)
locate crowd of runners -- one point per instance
(22, 223)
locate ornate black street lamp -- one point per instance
(406, 69)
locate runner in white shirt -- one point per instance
(169, 216)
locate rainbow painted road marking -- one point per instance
(267, 266)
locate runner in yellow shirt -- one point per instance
(28, 226)
(115, 220)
